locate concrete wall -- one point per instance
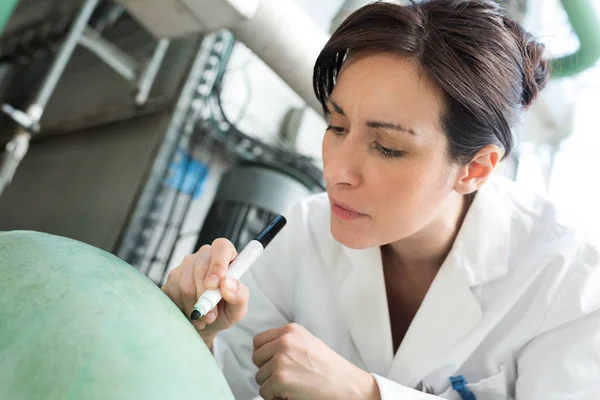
(83, 185)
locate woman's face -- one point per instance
(385, 157)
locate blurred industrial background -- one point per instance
(148, 128)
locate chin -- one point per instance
(349, 236)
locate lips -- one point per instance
(345, 212)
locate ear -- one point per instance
(474, 174)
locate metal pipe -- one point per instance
(14, 153)
(17, 148)
(118, 60)
(288, 41)
(586, 23)
(60, 62)
(148, 76)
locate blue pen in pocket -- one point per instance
(459, 384)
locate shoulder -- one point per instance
(534, 217)
(542, 244)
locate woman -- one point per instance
(419, 271)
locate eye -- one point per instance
(390, 153)
(337, 130)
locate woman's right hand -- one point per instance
(207, 269)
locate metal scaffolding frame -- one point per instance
(142, 75)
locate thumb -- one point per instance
(235, 295)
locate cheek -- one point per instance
(411, 193)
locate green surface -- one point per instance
(78, 323)
(585, 22)
(6, 9)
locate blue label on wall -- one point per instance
(186, 174)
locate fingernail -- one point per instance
(212, 282)
(231, 285)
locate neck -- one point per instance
(425, 251)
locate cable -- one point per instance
(188, 200)
(218, 58)
(248, 100)
(211, 123)
(299, 162)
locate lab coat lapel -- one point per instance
(450, 310)
(364, 303)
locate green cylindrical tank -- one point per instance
(78, 323)
(6, 9)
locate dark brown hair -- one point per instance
(488, 66)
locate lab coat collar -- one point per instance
(449, 311)
(481, 248)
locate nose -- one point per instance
(343, 164)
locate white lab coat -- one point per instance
(515, 308)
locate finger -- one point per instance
(274, 388)
(211, 316)
(187, 286)
(235, 294)
(266, 337)
(199, 324)
(265, 371)
(201, 262)
(267, 351)
(222, 253)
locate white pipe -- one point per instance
(346, 9)
(64, 55)
(350, 6)
(288, 41)
(149, 73)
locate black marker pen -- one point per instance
(210, 298)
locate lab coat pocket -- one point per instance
(490, 388)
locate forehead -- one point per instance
(381, 85)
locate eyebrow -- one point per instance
(375, 124)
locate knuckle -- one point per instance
(286, 342)
(218, 270)
(189, 259)
(280, 361)
(221, 242)
(292, 328)
(217, 266)
(204, 248)
(281, 376)
(188, 291)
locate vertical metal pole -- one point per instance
(60, 62)
(17, 148)
(149, 74)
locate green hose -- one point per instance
(6, 9)
(586, 23)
